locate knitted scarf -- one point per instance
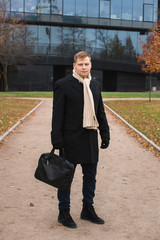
(89, 117)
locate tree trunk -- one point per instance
(5, 71)
(150, 87)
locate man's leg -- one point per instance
(89, 184)
(64, 208)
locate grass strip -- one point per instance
(12, 110)
(130, 95)
(143, 115)
(104, 94)
(27, 94)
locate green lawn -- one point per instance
(27, 94)
(130, 95)
(143, 115)
(104, 94)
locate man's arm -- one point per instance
(57, 117)
(103, 124)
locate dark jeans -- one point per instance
(89, 184)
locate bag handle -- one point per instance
(61, 152)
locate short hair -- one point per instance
(81, 54)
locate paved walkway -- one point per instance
(127, 194)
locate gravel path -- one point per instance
(127, 194)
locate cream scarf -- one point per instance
(89, 117)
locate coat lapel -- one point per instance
(76, 84)
(79, 87)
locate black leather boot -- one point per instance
(66, 219)
(88, 213)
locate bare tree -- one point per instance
(12, 42)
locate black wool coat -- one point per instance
(81, 145)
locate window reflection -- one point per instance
(148, 12)
(134, 36)
(56, 40)
(56, 6)
(100, 43)
(126, 10)
(17, 5)
(31, 5)
(116, 9)
(44, 33)
(122, 35)
(104, 8)
(68, 42)
(93, 6)
(81, 8)
(69, 7)
(155, 13)
(138, 10)
(90, 40)
(44, 6)
(32, 33)
(148, 1)
(79, 39)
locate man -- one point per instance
(77, 113)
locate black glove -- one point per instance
(104, 144)
(58, 145)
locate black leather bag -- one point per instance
(55, 170)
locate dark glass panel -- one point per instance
(17, 5)
(81, 8)
(56, 6)
(68, 41)
(44, 6)
(126, 10)
(69, 7)
(44, 35)
(79, 39)
(101, 43)
(93, 6)
(31, 6)
(122, 35)
(31, 38)
(134, 38)
(56, 40)
(105, 8)
(90, 40)
(32, 34)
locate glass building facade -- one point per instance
(136, 10)
(108, 29)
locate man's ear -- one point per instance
(73, 65)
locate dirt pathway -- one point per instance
(127, 194)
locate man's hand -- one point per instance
(58, 146)
(104, 144)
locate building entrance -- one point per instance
(110, 81)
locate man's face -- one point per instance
(83, 66)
